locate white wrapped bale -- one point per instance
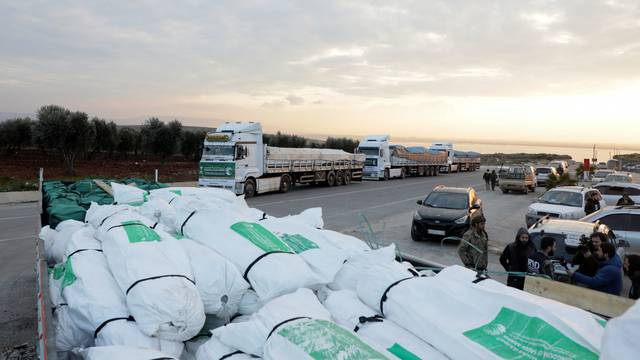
(267, 263)
(476, 321)
(128, 195)
(347, 310)
(122, 352)
(215, 349)
(219, 282)
(59, 239)
(95, 303)
(296, 326)
(154, 273)
(250, 303)
(68, 336)
(620, 336)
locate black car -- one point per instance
(446, 211)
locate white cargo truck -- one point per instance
(457, 161)
(235, 158)
(385, 161)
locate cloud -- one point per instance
(295, 100)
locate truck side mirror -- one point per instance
(419, 202)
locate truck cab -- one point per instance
(377, 164)
(231, 154)
(448, 147)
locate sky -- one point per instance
(516, 71)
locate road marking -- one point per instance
(345, 193)
(19, 217)
(373, 207)
(17, 238)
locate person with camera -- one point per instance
(539, 263)
(608, 277)
(585, 257)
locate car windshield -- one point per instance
(558, 197)
(369, 151)
(543, 170)
(218, 150)
(447, 200)
(617, 178)
(601, 174)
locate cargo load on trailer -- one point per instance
(385, 161)
(457, 160)
(235, 158)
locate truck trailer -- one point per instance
(235, 158)
(457, 161)
(385, 161)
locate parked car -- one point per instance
(612, 192)
(560, 165)
(619, 177)
(623, 220)
(446, 211)
(543, 173)
(520, 178)
(600, 175)
(564, 202)
(569, 234)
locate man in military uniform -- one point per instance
(475, 258)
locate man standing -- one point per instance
(592, 204)
(487, 180)
(538, 263)
(494, 180)
(608, 278)
(515, 256)
(474, 245)
(625, 199)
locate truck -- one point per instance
(235, 158)
(385, 161)
(457, 161)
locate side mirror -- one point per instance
(419, 202)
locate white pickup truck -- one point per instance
(565, 202)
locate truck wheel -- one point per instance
(347, 178)
(331, 178)
(386, 175)
(285, 184)
(249, 188)
(340, 178)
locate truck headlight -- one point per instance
(462, 220)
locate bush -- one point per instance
(16, 134)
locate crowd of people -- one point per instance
(596, 265)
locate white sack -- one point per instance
(250, 303)
(154, 273)
(60, 238)
(215, 349)
(68, 336)
(219, 282)
(620, 341)
(310, 243)
(125, 194)
(159, 211)
(476, 321)
(127, 333)
(347, 310)
(46, 235)
(191, 347)
(267, 263)
(122, 353)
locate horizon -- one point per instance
(540, 73)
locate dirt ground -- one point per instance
(24, 167)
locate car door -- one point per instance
(633, 232)
(618, 223)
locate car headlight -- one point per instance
(531, 211)
(462, 220)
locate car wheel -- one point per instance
(415, 236)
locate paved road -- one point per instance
(390, 205)
(17, 274)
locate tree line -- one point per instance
(74, 135)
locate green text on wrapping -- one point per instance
(260, 237)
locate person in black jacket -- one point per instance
(539, 263)
(592, 204)
(586, 257)
(515, 257)
(487, 180)
(625, 199)
(631, 268)
(494, 180)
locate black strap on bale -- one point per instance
(367, 319)
(185, 222)
(106, 322)
(285, 322)
(254, 262)
(81, 250)
(386, 292)
(155, 278)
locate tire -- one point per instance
(386, 175)
(347, 178)
(331, 178)
(414, 236)
(285, 184)
(249, 188)
(340, 179)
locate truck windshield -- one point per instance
(371, 162)
(562, 198)
(447, 200)
(369, 151)
(218, 150)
